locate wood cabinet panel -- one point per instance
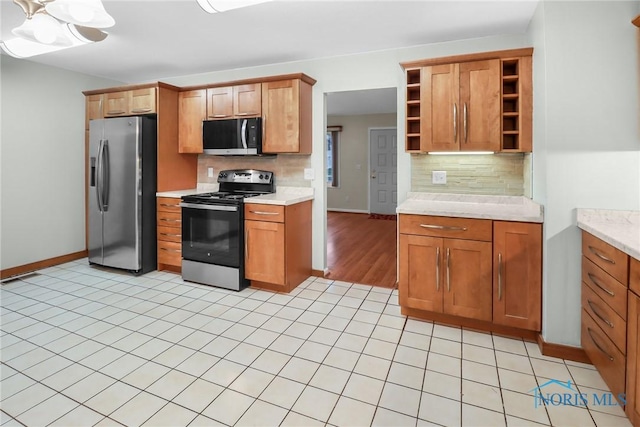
(220, 103)
(169, 219)
(168, 204)
(286, 113)
(467, 279)
(634, 275)
(116, 104)
(610, 259)
(169, 253)
(604, 355)
(93, 108)
(480, 103)
(442, 226)
(612, 292)
(265, 252)
(517, 274)
(612, 325)
(192, 110)
(440, 110)
(420, 279)
(170, 234)
(260, 212)
(143, 101)
(247, 100)
(633, 360)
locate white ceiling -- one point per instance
(373, 101)
(154, 40)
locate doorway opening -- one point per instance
(361, 178)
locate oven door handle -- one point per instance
(209, 207)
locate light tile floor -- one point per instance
(85, 346)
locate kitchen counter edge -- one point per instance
(621, 229)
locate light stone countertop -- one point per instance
(284, 196)
(506, 208)
(621, 229)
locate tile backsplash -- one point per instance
(288, 168)
(497, 174)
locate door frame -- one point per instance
(369, 130)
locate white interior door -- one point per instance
(383, 173)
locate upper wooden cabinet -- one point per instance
(478, 102)
(93, 108)
(192, 110)
(286, 112)
(130, 102)
(234, 101)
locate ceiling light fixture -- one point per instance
(214, 6)
(52, 25)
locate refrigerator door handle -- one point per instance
(99, 180)
(105, 183)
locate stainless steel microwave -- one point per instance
(232, 137)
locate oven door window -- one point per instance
(211, 236)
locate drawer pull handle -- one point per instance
(116, 112)
(264, 213)
(171, 235)
(170, 220)
(438, 268)
(448, 270)
(599, 255)
(218, 115)
(589, 331)
(596, 282)
(141, 110)
(601, 317)
(170, 250)
(167, 205)
(499, 276)
(443, 227)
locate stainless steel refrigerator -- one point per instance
(122, 193)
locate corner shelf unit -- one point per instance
(516, 105)
(413, 110)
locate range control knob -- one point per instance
(262, 177)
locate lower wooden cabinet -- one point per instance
(633, 344)
(277, 245)
(169, 233)
(517, 274)
(484, 270)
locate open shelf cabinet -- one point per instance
(516, 104)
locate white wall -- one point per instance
(352, 194)
(42, 162)
(354, 72)
(586, 144)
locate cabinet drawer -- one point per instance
(604, 355)
(609, 289)
(168, 204)
(170, 234)
(613, 261)
(170, 253)
(442, 226)
(613, 326)
(169, 219)
(634, 275)
(258, 212)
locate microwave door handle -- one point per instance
(243, 134)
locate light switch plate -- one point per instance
(308, 174)
(210, 172)
(439, 177)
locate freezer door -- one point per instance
(94, 211)
(121, 193)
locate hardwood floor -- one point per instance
(360, 249)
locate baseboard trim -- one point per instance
(348, 210)
(27, 268)
(317, 273)
(576, 354)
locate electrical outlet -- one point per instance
(439, 177)
(308, 174)
(210, 172)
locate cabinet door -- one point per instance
(517, 274)
(220, 103)
(116, 104)
(633, 359)
(440, 130)
(467, 278)
(247, 100)
(93, 108)
(281, 113)
(420, 280)
(192, 110)
(264, 252)
(480, 105)
(143, 101)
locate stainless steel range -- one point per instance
(213, 229)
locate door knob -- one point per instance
(373, 176)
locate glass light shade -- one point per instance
(88, 13)
(22, 48)
(44, 29)
(213, 6)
